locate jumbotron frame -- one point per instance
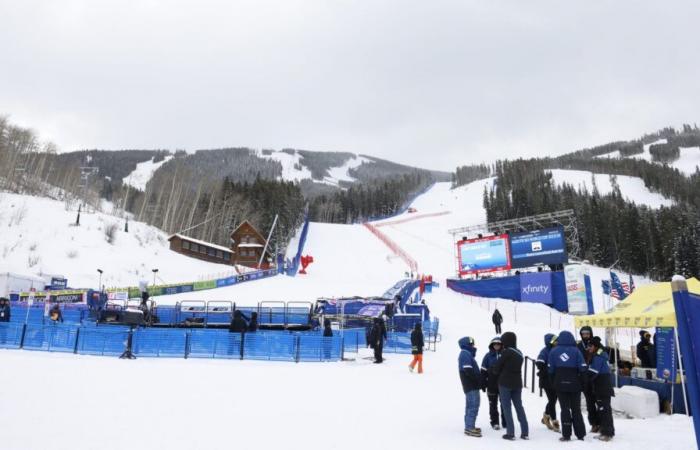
(565, 218)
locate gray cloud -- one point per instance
(435, 84)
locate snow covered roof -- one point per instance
(249, 245)
(197, 241)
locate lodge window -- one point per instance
(219, 254)
(202, 250)
(227, 257)
(194, 248)
(186, 245)
(212, 252)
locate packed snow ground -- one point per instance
(185, 404)
(143, 173)
(632, 188)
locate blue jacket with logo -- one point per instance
(468, 367)
(566, 364)
(600, 376)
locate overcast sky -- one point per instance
(428, 83)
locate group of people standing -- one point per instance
(240, 323)
(565, 370)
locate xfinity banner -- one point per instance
(536, 287)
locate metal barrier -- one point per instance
(11, 334)
(525, 374)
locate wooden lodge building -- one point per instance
(247, 245)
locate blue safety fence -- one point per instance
(159, 342)
(213, 344)
(52, 338)
(397, 342)
(11, 334)
(104, 340)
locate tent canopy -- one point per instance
(648, 306)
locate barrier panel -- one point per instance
(214, 344)
(11, 334)
(270, 346)
(159, 342)
(102, 340)
(319, 348)
(51, 338)
(398, 342)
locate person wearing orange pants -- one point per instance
(417, 348)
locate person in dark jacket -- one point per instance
(646, 351)
(55, 313)
(549, 419)
(489, 382)
(508, 369)
(601, 381)
(565, 365)
(469, 376)
(497, 320)
(238, 324)
(417, 345)
(377, 336)
(586, 334)
(253, 323)
(5, 312)
(327, 343)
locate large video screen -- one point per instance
(483, 255)
(546, 246)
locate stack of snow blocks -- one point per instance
(636, 402)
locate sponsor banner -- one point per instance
(487, 254)
(58, 284)
(665, 354)
(536, 287)
(546, 246)
(576, 294)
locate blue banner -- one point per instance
(546, 246)
(58, 284)
(536, 287)
(665, 354)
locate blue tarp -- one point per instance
(509, 288)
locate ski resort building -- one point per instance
(247, 245)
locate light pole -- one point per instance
(155, 271)
(99, 285)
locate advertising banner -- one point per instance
(665, 354)
(487, 254)
(536, 287)
(574, 276)
(58, 284)
(546, 246)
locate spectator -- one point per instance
(566, 364)
(497, 320)
(55, 313)
(253, 324)
(549, 419)
(238, 324)
(417, 348)
(508, 369)
(646, 351)
(377, 336)
(600, 378)
(586, 334)
(469, 376)
(5, 311)
(489, 382)
(327, 333)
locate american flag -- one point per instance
(620, 289)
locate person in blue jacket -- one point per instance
(549, 419)
(489, 382)
(469, 376)
(600, 380)
(566, 364)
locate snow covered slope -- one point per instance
(143, 173)
(689, 161)
(342, 173)
(632, 188)
(39, 236)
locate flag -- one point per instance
(619, 290)
(606, 287)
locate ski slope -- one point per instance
(143, 173)
(632, 188)
(185, 404)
